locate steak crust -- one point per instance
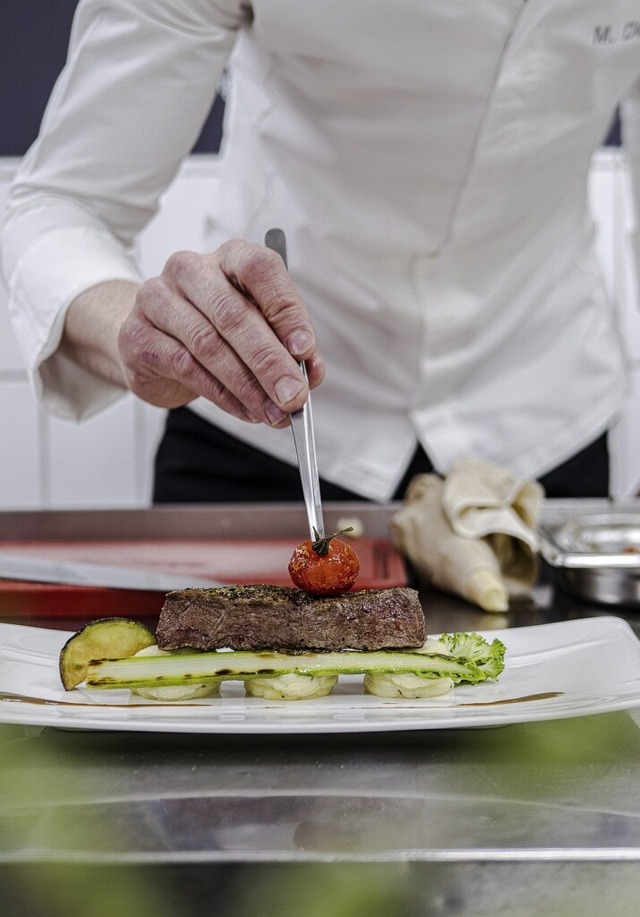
(283, 618)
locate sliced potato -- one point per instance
(106, 638)
(406, 685)
(290, 686)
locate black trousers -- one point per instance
(199, 463)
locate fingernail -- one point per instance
(287, 388)
(299, 342)
(273, 413)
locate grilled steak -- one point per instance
(283, 618)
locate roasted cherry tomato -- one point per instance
(326, 566)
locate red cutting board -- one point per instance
(231, 561)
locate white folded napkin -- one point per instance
(472, 533)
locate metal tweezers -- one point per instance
(302, 428)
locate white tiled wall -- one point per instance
(106, 462)
(611, 201)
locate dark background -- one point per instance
(33, 44)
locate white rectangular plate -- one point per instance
(553, 671)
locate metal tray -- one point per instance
(235, 543)
(596, 556)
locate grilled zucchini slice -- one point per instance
(105, 638)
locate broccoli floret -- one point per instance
(488, 657)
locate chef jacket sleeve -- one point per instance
(127, 108)
(630, 129)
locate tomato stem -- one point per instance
(321, 543)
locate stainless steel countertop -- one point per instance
(454, 822)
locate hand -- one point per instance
(229, 326)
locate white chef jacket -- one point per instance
(428, 162)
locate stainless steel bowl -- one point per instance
(596, 556)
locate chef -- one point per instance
(428, 162)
